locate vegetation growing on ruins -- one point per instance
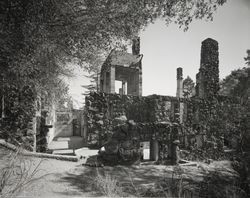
(188, 87)
(39, 39)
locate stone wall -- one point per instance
(201, 119)
(124, 145)
(102, 109)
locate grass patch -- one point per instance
(178, 183)
(107, 185)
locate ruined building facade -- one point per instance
(124, 67)
(157, 116)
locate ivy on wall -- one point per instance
(224, 122)
(16, 126)
(102, 109)
(217, 121)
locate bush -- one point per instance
(107, 185)
(16, 174)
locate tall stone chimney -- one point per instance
(179, 91)
(208, 76)
(136, 46)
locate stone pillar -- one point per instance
(120, 91)
(140, 83)
(112, 80)
(123, 87)
(135, 84)
(179, 91)
(131, 85)
(154, 150)
(208, 75)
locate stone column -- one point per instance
(112, 80)
(140, 83)
(209, 69)
(123, 87)
(131, 85)
(154, 150)
(120, 91)
(179, 92)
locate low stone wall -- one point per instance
(24, 152)
(102, 109)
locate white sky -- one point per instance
(165, 48)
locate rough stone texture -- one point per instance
(124, 145)
(197, 117)
(207, 80)
(155, 117)
(102, 109)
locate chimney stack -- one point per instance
(179, 92)
(136, 46)
(208, 76)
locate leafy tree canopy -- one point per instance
(40, 37)
(247, 59)
(237, 84)
(188, 87)
(84, 28)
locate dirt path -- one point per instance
(56, 182)
(57, 178)
(71, 179)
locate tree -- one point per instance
(247, 59)
(39, 38)
(188, 87)
(83, 29)
(237, 84)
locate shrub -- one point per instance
(16, 174)
(107, 185)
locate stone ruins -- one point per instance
(157, 119)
